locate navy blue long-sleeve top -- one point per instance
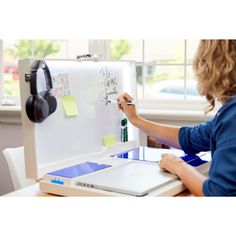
(218, 136)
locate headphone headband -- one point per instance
(39, 105)
(39, 64)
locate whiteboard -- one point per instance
(93, 83)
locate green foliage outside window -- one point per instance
(119, 48)
(34, 48)
(25, 49)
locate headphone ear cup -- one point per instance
(52, 102)
(41, 109)
(29, 108)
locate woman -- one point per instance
(215, 69)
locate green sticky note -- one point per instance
(69, 105)
(109, 140)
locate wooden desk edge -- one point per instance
(34, 191)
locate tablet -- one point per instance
(133, 178)
(148, 154)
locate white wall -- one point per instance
(10, 136)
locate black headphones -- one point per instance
(40, 106)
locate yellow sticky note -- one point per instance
(69, 105)
(109, 140)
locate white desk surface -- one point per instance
(34, 191)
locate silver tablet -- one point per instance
(132, 178)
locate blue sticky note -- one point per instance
(188, 158)
(193, 160)
(197, 162)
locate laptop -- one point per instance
(133, 178)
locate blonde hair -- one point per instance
(215, 69)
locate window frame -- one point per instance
(94, 47)
(101, 47)
(185, 64)
(169, 104)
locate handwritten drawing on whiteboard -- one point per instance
(109, 84)
(60, 85)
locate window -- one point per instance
(13, 50)
(164, 67)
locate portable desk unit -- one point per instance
(71, 130)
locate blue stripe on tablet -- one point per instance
(79, 170)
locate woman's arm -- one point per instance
(190, 177)
(165, 134)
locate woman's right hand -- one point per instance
(129, 110)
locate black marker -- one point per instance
(126, 130)
(122, 135)
(128, 102)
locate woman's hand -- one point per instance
(129, 110)
(190, 177)
(171, 163)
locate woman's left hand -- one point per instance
(171, 163)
